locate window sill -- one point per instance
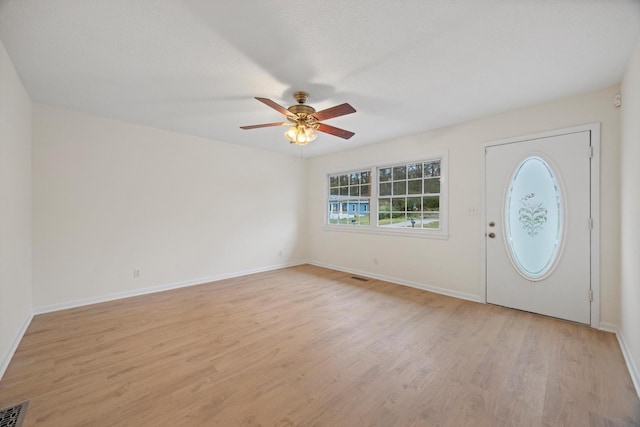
(388, 231)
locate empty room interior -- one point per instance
(286, 213)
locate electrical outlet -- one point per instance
(375, 261)
(280, 253)
(136, 273)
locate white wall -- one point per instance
(453, 265)
(111, 197)
(630, 254)
(15, 209)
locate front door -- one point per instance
(538, 230)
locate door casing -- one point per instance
(594, 129)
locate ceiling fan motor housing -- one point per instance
(301, 109)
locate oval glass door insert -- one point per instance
(533, 218)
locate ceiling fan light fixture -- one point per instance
(310, 134)
(291, 134)
(300, 134)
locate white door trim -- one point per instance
(594, 128)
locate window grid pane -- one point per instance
(414, 186)
(432, 185)
(399, 188)
(414, 171)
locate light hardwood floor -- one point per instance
(306, 346)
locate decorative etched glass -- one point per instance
(534, 218)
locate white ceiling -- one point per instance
(405, 66)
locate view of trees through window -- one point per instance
(407, 196)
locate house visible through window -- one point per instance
(349, 198)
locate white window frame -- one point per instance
(373, 228)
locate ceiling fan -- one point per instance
(305, 120)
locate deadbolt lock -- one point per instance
(492, 224)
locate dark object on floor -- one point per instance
(14, 415)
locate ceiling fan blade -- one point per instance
(266, 125)
(279, 108)
(338, 110)
(335, 131)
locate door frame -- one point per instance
(594, 128)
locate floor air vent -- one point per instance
(362, 279)
(13, 416)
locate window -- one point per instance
(409, 195)
(533, 218)
(405, 197)
(349, 198)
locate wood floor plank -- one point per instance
(307, 346)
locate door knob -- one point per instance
(492, 235)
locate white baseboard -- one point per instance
(631, 366)
(423, 286)
(609, 327)
(14, 346)
(154, 289)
